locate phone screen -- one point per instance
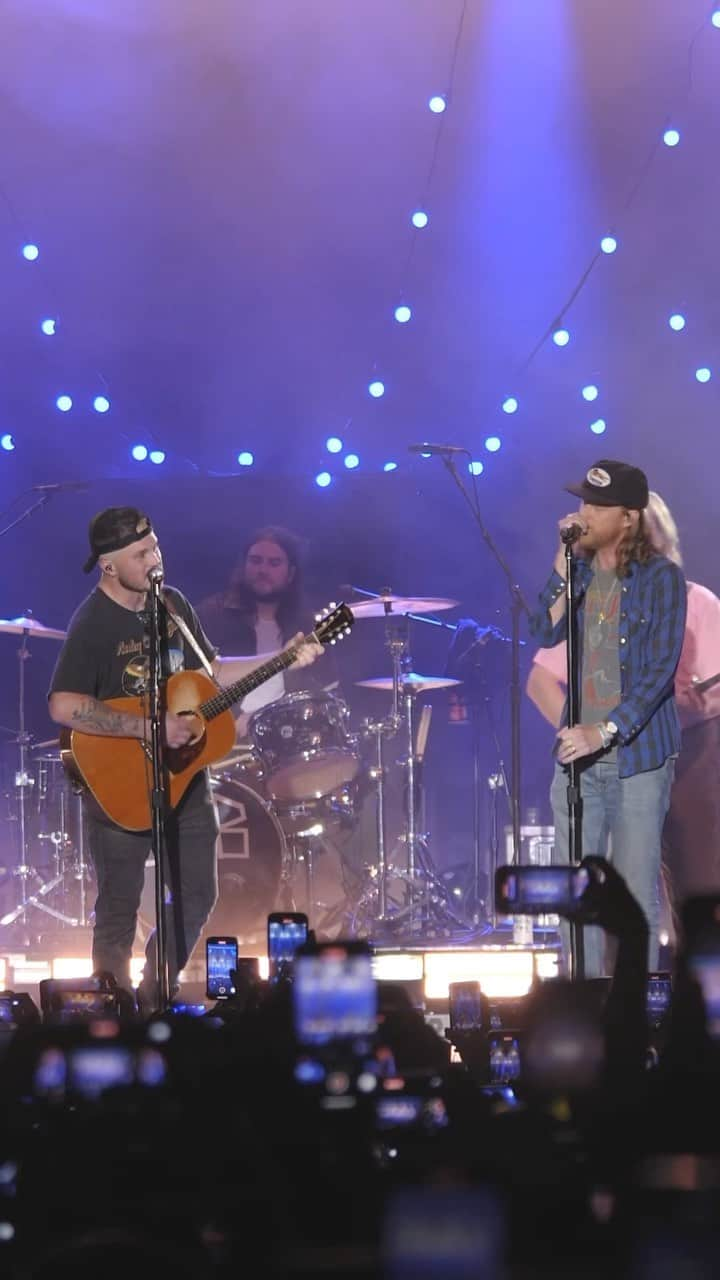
(221, 958)
(504, 1058)
(659, 994)
(535, 890)
(465, 1006)
(334, 996)
(286, 933)
(93, 1069)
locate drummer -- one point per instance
(261, 607)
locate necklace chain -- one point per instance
(604, 602)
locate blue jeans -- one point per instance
(622, 820)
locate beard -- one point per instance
(272, 595)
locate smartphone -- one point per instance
(334, 994)
(91, 1069)
(507, 1012)
(659, 995)
(220, 959)
(504, 1055)
(465, 1006)
(286, 931)
(534, 890)
(419, 1109)
(77, 999)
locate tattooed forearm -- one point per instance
(92, 716)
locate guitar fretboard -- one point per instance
(224, 699)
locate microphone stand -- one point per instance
(156, 691)
(33, 506)
(574, 802)
(518, 605)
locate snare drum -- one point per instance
(305, 746)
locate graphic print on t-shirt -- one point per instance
(136, 672)
(601, 662)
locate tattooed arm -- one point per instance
(89, 715)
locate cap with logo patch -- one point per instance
(613, 484)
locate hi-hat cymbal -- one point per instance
(382, 606)
(418, 683)
(16, 627)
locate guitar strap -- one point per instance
(185, 631)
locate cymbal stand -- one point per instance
(23, 872)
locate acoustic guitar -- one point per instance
(118, 771)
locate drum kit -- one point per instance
(49, 874)
(286, 799)
(304, 774)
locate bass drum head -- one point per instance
(251, 854)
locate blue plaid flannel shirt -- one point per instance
(651, 628)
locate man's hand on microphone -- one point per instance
(567, 522)
(573, 744)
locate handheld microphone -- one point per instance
(436, 449)
(571, 533)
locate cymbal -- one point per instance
(16, 627)
(382, 606)
(418, 683)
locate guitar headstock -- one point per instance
(333, 623)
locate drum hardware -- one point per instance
(425, 897)
(33, 888)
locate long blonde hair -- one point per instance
(636, 547)
(662, 529)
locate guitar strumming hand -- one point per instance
(107, 745)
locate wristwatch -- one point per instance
(608, 732)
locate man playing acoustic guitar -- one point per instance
(105, 657)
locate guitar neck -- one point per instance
(224, 699)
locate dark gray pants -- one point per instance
(191, 879)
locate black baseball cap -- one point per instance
(113, 529)
(613, 484)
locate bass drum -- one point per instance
(252, 854)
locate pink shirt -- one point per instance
(700, 656)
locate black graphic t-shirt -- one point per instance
(106, 651)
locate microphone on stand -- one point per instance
(155, 575)
(571, 533)
(436, 449)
